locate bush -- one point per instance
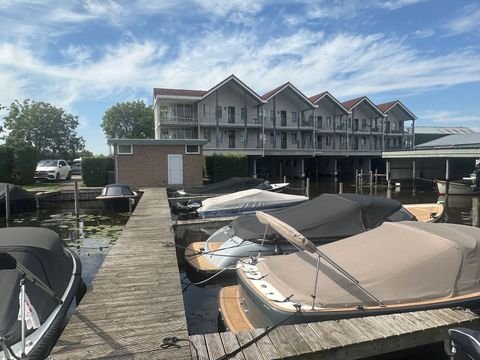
(222, 167)
(25, 163)
(6, 163)
(95, 170)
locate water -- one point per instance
(201, 304)
(90, 235)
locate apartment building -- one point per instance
(283, 132)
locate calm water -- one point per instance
(201, 302)
(91, 234)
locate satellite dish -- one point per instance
(288, 232)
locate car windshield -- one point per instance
(47, 163)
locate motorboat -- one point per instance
(39, 280)
(118, 196)
(183, 200)
(228, 186)
(242, 203)
(396, 267)
(327, 218)
(457, 187)
(20, 199)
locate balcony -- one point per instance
(171, 119)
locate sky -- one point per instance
(86, 56)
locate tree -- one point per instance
(132, 120)
(43, 126)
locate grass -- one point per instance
(43, 186)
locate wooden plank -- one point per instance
(251, 352)
(265, 345)
(230, 344)
(331, 333)
(214, 345)
(295, 339)
(198, 347)
(310, 336)
(281, 343)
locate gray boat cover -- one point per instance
(326, 218)
(40, 251)
(16, 192)
(228, 186)
(398, 263)
(249, 200)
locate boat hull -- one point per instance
(456, 188)
(261, 314)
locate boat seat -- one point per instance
(467, 340)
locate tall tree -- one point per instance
(132, 120)
(45, 127)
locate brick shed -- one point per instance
(149, 162)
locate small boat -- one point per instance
(457, 187)
(118, 196)
(396, 267)
(20, 199)
(327, 218)
(242, 203)
(35, 267)
(228, 186)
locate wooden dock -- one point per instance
(136, 298)
(341, 339)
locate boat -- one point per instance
(118, 196)
(396, 267)
(241, 203)
(20, 199)
(228, 186)
(36, 267)
(327, 218)
(457, 187)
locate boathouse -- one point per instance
(165, 162)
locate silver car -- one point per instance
(53, 170)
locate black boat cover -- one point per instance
(16, 192)
(40, 251)
(229, 186)
(327, 218)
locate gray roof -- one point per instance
(453, 142)
(442, 130)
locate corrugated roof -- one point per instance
(443, 130)
(458, 141)
(178, 92)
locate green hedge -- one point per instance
(95, 170)
(25, 163)
(6, 163)
(222, 167)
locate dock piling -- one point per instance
(475, 217)
(75, 197)
(7, 202)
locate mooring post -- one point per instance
(75, 196)
(475, 217)
(356, 180)
(284, 179)
(340, 188)
(414, 176)
(371, 182)
(7, 202)
(307, 188)
(447, 176)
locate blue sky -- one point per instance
(86, 56)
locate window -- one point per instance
(192, 149)
(319, 122)
(243, 114)
(329, 122)
(218, 112)
(124, 149)
(294, 138)
(272, 115)
(163, 113)
(328, 141)
(364, 140)
(207, 134)
(294, 117)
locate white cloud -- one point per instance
(223, 8)
(468, 20)
(450, 117)
(424, 33)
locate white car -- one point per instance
(53, 170)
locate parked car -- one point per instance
(53, 170)
(76, 167)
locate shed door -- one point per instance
(175, 169)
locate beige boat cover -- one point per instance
(397, 262)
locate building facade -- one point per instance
(283, 132)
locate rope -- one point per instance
(255, 339)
